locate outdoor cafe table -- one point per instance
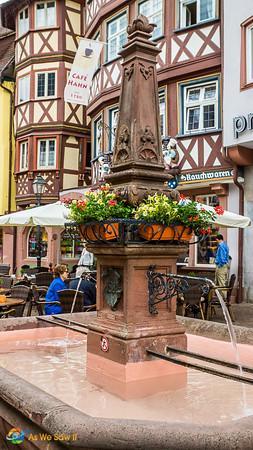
(4, 291)
(11, 301)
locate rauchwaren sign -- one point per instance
(209, 175)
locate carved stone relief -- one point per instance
(122, 146)
(113, 287)
(129, 71)
(147, 151)
(146, 71)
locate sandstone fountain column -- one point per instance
(124, 327)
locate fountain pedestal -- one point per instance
(117, 340)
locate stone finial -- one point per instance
(141, 24)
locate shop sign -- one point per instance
(242, 123)
(210, 175)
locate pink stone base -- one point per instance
(134, 380)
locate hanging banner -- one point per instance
(85, 63)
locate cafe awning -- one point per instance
(53, 215)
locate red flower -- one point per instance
(182, 197)
(112, 203)
(219, 210)
(104, 188)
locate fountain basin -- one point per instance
(109, 422)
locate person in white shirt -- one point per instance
(85, 262)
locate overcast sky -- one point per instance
(3, 1)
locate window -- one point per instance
(24, 89)
(46, 153)
(45, 14)
(162, 105)
(23, 22)
(97, 37)
(206, 249)
(153, 10)
(24, 155)
(70, 248)
(32, 243)
(116, 36)
(113, 120)
(200, 109)
(196, 11)
(249, 58)
(97, 141)
(46, 84)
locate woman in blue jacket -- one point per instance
(58, 284)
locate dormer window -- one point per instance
(23, 22)
(45, 14)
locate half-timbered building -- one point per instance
(52, 138)
(189, 36)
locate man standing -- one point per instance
(222, 262)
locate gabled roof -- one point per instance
(7, 54)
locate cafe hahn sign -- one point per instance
(209, 175)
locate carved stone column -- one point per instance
(137, 165)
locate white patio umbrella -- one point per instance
(53, 215)
(57, 214)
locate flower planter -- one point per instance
(163, 233)
(99, 231)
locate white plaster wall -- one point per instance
(248, 236)
(235, 102)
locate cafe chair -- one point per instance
(43, 278)
(6, 282)
(38, 300)
(193, 299)
(214, 301)
(5, 314)
(67, 296)
(5, 269)
(21, 293)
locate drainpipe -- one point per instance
(240, 232)
(14, 255)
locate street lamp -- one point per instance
(39, 185)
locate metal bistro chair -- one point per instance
(43, 278)
(193, 299)
(214, 301)
(66, 300)
(21, 293)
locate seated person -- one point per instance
(58, 284)
(88, 288)
(85, 262)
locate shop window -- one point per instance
(45, 14)
(247, 53)
(200, 106)
(113, 120)
(23, 155)
(46, 84)
(116, 35)
(24, 89)
(70, 248)
(32, 243)
(206, 250)
(192, 12)
(46, 153)
(23, 22)
(153, 10)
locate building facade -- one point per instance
(7, 142)
(238, 118)
(52, 138)
(189, 35)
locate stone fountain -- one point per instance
(124, 329)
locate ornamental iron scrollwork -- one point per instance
(163, 287)
(113, 286)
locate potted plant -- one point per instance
(98, 206)
(171, 220)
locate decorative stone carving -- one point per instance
(129, 71)
(141, 24)
(112, 287)
(122, 146)
(147, 151)
(146, 71)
